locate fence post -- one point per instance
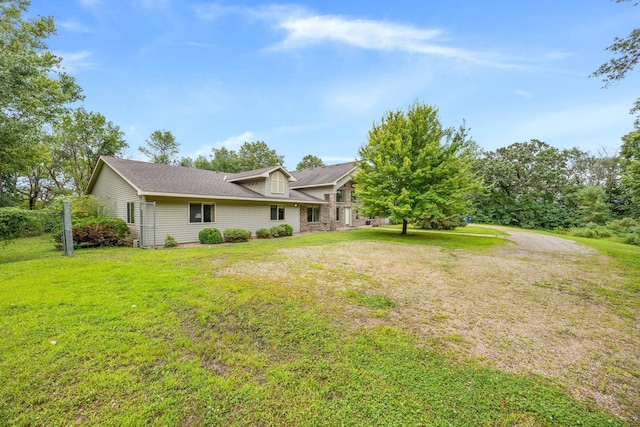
(67, 234)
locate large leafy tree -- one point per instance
(79, 139)
(527, 183)
(412, 169)
(257, 155)
(162, 148)
(33, 89)
(630, 155)
(223, 160)
(250, 156)
(626, 55)
(310, 161)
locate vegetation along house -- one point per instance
(159, 200)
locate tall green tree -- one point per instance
(162, 148)
(310, 161)
(80, 138)
(223, 160)
(257, 155)
(33, 90)
(412, 169)
(630, 155)
(527, 184)
(626, 55)
(250, 156)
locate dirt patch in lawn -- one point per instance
(539, 305)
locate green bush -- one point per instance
(93, 232)
(603, 232)
(170, 242)
(633, 238)
(12, 222)
(210, 236)
(235, 235)
(264, 233)
(16, 222)
(622, 226)
(278, 231)
(288, 229)
(584, 232)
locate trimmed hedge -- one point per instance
(288, 229)
(210, 236)
(264, 233)
(235, 235)
(281, 230)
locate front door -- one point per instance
(347, 217)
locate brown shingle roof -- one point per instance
(327, 175)
(151, 178)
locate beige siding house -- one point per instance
(160, 200)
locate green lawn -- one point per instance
(121, 336)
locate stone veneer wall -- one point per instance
(328, 213)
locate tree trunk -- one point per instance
(404, 227)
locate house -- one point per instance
(159, 200)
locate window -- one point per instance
(337, 214)
(277, 213)
(201, 212)
(313, 214)
(277, 182)
(340, 195)
(131, 213)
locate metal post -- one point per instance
(67, 233)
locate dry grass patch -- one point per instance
(532, 307)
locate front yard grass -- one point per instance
(251, 335)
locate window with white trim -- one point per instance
(131, 212)
(202, 212)
(277, 213)
(277, 182)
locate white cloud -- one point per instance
(360, 33)
(234, 142)
(231, 143)
(522, 93)
(75, 27)
(73, 62)
(303, 28)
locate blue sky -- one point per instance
(311, 77)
